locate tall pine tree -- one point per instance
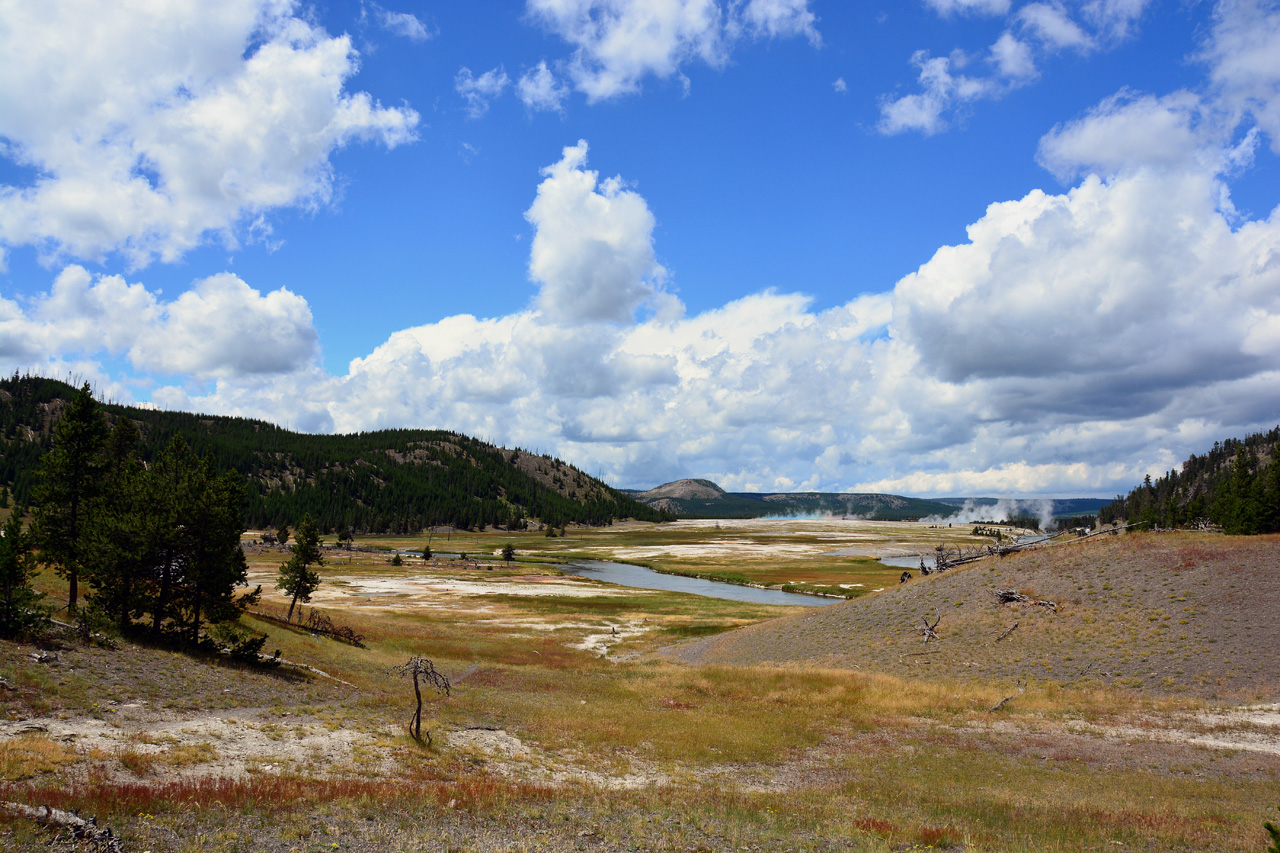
(71, 479)
(297, 578)
(20, 610)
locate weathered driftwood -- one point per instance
(1022, 688)
(904, 577)
(100, 837)
(930, 631)
(1012, 596)
(1007, 632)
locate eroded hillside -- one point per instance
(1169, 613)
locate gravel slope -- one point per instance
(1166, 613)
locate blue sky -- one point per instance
(928, 247)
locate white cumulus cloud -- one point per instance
(540, 90)
(592, 249)
(403, 24)
(1053, 25)
(1128, 131)
(985, 7)
(618, 43)
(479, 91)
(1073, 343)
(941, 89)
(1244, 57)
(1035, 31)
(220, 328)
(159, 124)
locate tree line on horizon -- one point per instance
(397, 481)
(1236, 486)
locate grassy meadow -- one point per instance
(834, 556)
(564, 731)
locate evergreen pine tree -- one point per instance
(119, 529)
(214, 561)
(71, 478)
(297, 578)
(20, 610)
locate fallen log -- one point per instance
(1012, 596)
(1007, 632)
(102, 838)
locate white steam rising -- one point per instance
(1002, 510)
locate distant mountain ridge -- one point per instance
(700, 498)
(388, 481)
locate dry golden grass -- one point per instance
(801, 755)
(27, 756)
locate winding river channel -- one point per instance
(637, 576)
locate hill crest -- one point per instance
(1163, 613)
(388, 481)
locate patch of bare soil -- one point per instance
(1166, 613)
(77, 678)
(124, 742)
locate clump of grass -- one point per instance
(137, 762)
(145, 762)
(187, 755)
(27, 756)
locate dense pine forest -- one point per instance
(390, 481)
(1236, 486)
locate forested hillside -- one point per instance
(387, 481)
(1236, 485)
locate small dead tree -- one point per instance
(930, 631)
(421, 670)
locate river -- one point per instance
(638, 576)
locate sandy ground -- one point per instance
(244, 741)
(256, 741)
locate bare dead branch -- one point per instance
(1007, 632)
(930, 632)
(1022, 688)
